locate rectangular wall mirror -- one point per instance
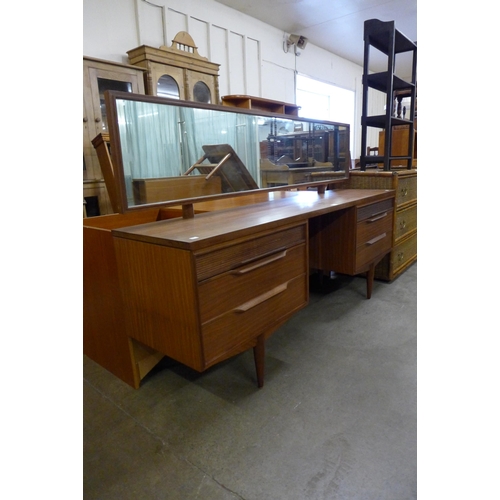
(166, 150)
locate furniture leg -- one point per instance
(259, 354)
(370, 275)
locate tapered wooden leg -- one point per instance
(259, 354)
(370, 276)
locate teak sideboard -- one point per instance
(203, 289)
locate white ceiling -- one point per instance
(336, 25)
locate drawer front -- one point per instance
(231, 257)
(374, 210)
(275, 178)
(373, 238)
(229, 290)
(298, 177)
(407, 190)
(404, 252)
(244, 322)
(406, 222)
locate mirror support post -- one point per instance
(188, 211)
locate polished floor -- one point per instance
(335, 420)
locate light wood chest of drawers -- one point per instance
(404, 245)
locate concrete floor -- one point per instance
(336, 418)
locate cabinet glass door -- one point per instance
(201, 93)
(104, 84)
(167, 87)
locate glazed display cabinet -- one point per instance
(98, 77)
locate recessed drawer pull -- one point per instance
(377, 238)
(262, 298)
(378, 216)
(261, 263)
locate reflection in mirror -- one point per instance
(167, 87)
(160, 141)
(201, 92)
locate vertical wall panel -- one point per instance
(151, 24)
(112, 27)
(176, 21)
(219, 55)
(253, 86)
(278, 83)
(237, 69)
(199, 30)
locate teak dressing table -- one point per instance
(204, 279)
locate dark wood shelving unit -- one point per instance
(384, 37)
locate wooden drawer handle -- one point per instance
(378, 216)
(404, 191)
(377, 238)
(262, 298)
(402, 224)
(261, 263)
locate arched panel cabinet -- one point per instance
(196, 78)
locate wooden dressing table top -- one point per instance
(265, 211)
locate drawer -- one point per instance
(249, 319)
(275, 178)
(374, 210)
(229, 290)
(404, 252)
(406, 222)
(373, 238)
(298, 177)
(223, 259)
(407, 190)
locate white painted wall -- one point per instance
(249, 51)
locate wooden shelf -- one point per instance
(259, 103)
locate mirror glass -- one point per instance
(167, 150)
(201, 92)
(167, 87)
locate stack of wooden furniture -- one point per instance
(404, 245)
(396, 152)
(193, 76)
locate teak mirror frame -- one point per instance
(115, 177)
